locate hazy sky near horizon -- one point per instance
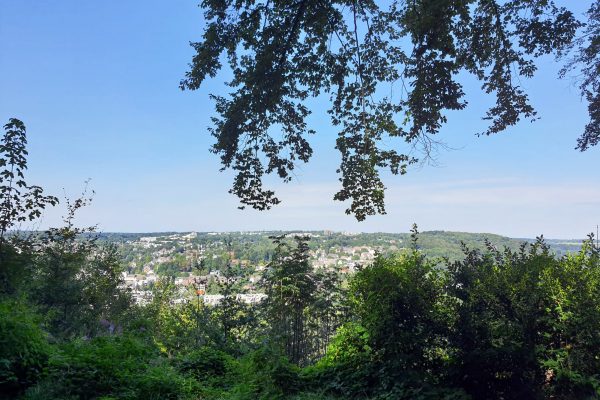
(96, 84)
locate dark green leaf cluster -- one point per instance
(111, 367)
(24, 350)
(495, 325)
(390, 70)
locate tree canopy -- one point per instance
(391, 71)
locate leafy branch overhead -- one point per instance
(390, 70)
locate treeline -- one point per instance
(496, 324)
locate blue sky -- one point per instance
(96, 83)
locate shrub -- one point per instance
(160, 382)
(402, 305)
(23, 347)
(346, 369)
(267, 375)
(117, 367)
(215, 371)
(207, 364)
(528, 323)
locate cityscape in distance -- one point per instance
(201, 262)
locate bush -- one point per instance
(118, 367)
(160, 382)
(528, 323)
(347, 368)
(23, 347)
(207, 364)
(407, 315)
(267, 375)
(215, 371)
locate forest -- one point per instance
(496, 324)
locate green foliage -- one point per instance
(76, 284)
(302, 305)
(528, 323)
(20, 201)
(571, 357)
(401, 303)
(215, 371)
(73, 282)
(348, 346)
(16, 266)
(347, 367)
(266, 374)
(499, 304)
(24, 350)
(586, 62)
(281, 53)
(160, 382)
(116, 367)
(207, 363)
(174, 328)
(237, 320)
(290, 287)
(496, 325)
(423, 392)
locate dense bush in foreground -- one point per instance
(24, 350)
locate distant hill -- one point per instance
(257, 245)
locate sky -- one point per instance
(96, 83)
